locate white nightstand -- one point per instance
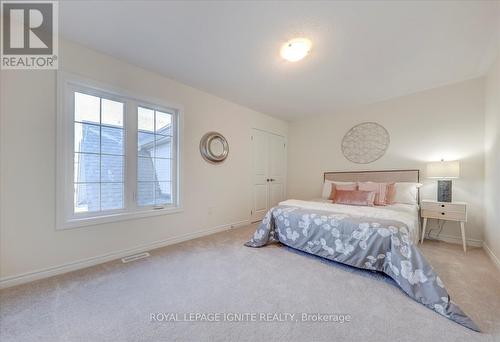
(454, 211)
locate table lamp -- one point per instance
(444, 171)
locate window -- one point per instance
(99, 154)
(154, 157)
(117, 156)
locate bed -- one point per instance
(379, 239)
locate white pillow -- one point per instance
(406, 192)
(327, 187)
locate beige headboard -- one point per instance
(374, 176)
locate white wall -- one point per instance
(446, 122)
(492, 161)
(28, 239)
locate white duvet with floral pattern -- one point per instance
(360, 238)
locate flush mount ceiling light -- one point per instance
(296, 49)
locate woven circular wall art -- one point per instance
(365, 143)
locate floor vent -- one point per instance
(135, 257)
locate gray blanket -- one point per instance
(363, 242)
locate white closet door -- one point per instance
(260, 191)
(268, 154)
(276, 155)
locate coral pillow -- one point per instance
(327, 187)
(341, 186)
(354, 197)
(380, 190)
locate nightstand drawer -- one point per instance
(445, 215)
(446, 207)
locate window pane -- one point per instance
(102, 150)
(145, 119)
(87, 138)
(86, 197)
(163, 147)
(163, 193)
(145, 193)
(111, 196)
(111, 168)
(163, 123)
(112, 113)
(86, 168)
(112, 140)
(87, 108)
(162, 168)
(145, 170)
(145, 144)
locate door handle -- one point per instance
(268, 180)
(272, 180)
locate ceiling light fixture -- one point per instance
(296, 49)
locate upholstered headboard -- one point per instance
(374, 176)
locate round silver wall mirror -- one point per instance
(214, 147)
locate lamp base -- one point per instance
(444, 191)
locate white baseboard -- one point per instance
(456, 240)
(492, 256)
(240, 224)
(76, 265)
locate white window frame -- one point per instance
(66, 218)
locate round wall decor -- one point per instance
(365, 143)
(214, 147)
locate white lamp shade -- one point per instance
(443, 169)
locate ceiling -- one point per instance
(363, 51)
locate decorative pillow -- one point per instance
(327, 188)
(406, 192)
(354, 197)
(380, 190)
(346, 186)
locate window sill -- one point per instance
(115, 217)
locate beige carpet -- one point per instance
(113, 301)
